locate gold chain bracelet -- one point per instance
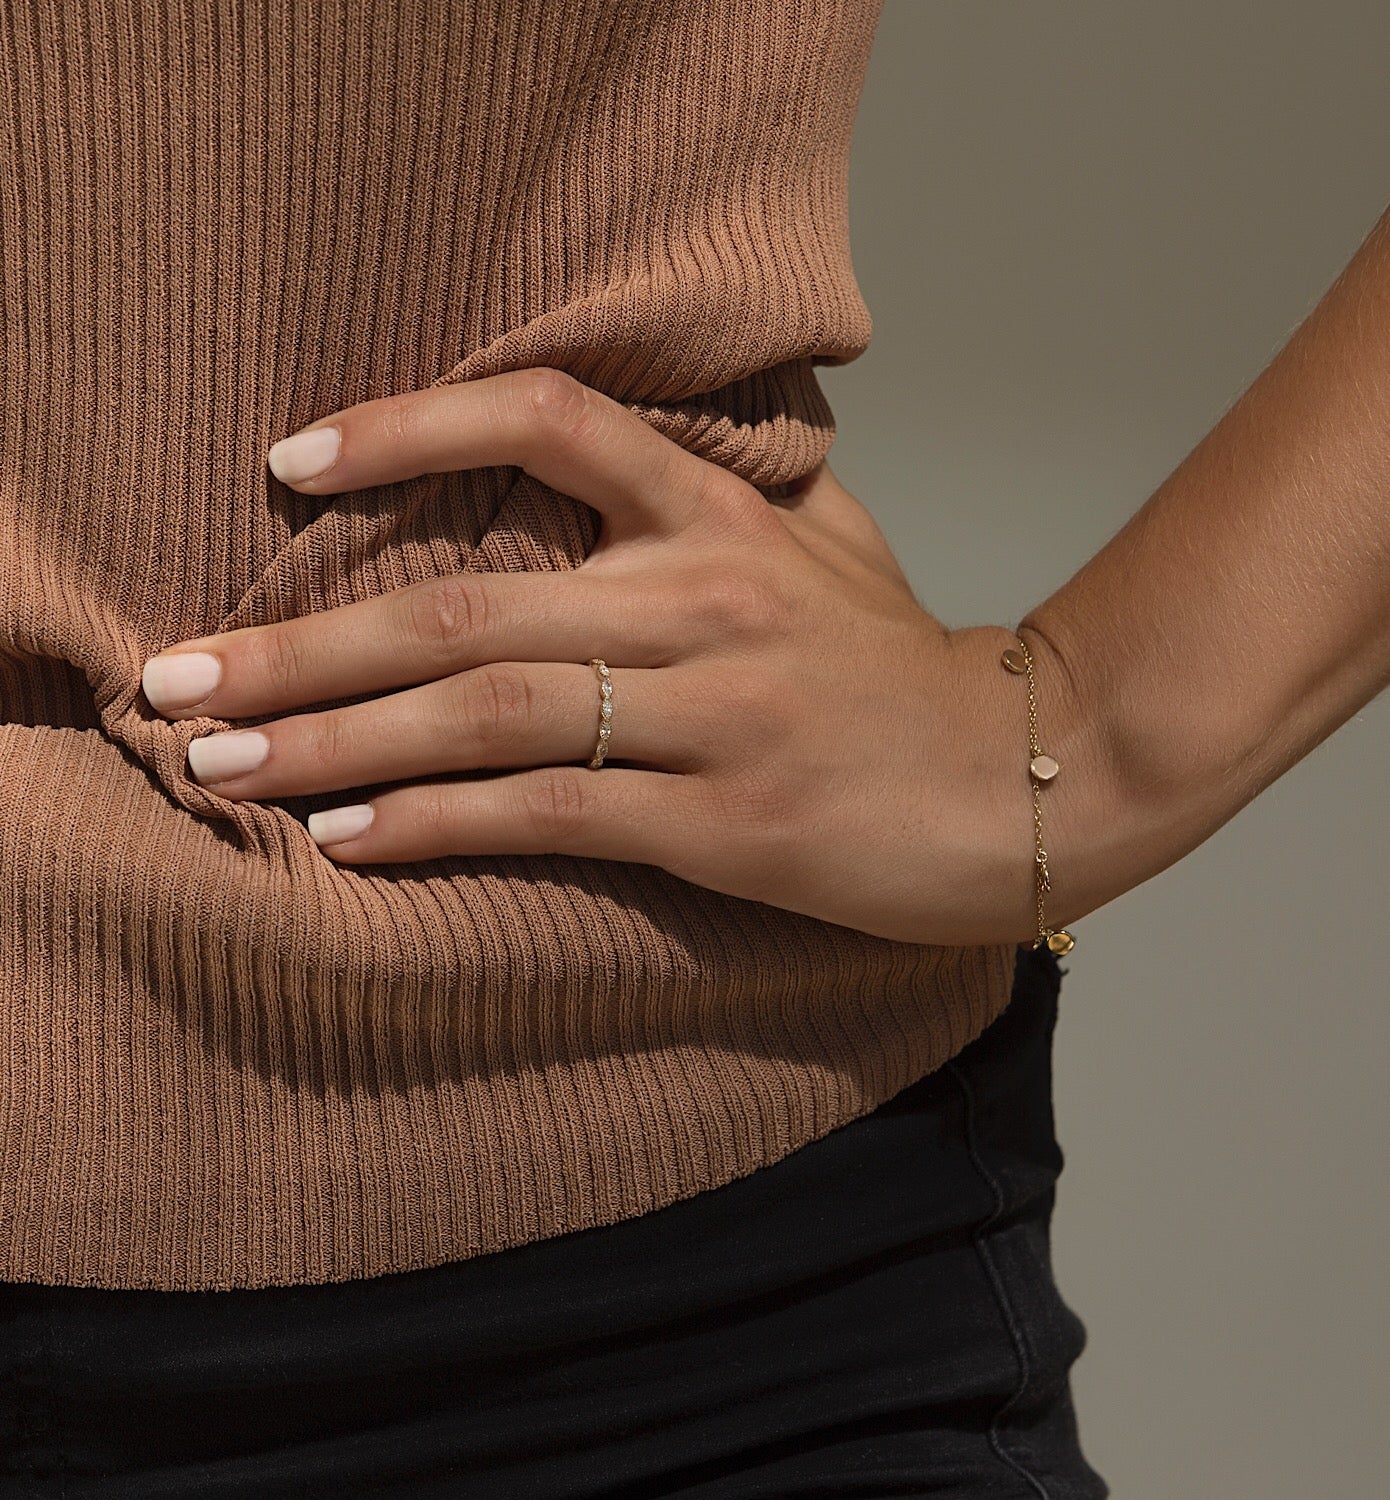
(1041, 768)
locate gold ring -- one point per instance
(605, 711)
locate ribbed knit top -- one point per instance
(225, 1060)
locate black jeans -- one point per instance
(873, 1315)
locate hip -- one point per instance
(873, 1314)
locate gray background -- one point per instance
(1082, 230)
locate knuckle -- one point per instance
(728, 495)
(428, 810)
(752, 822)
(399, 424)
(716, 495)
(740, 513)
(549, 392)
(556, 804)
(761, 713)
(449, 617)
(330, 739)
(559, 406)
(499, 705)
(280, 661)
(736, 602)
(766, 807)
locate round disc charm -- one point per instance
(1043, 767)
(1061, 942)
(1014, 660)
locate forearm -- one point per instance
(1240, 616)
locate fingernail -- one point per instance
(304, 455)
(339, 824)
(181, 680)
(217, 757)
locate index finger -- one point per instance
(559, 430)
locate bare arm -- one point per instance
(822, 742)
(1237, 619)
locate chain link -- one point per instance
(1056, 940)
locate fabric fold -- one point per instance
(225, 1060)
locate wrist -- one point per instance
(1154, 785)
(1089, 825)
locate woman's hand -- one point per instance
(788, 724)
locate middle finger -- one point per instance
(503, 714)
(414, 635)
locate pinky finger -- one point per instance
(611, 813)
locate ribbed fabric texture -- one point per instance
(226, 1061)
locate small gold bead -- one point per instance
(1014, 660)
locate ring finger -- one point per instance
(502, 714)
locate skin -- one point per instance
(1242, 614)
(790, 725)
(715, 611)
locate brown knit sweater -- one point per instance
(226, 1061)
